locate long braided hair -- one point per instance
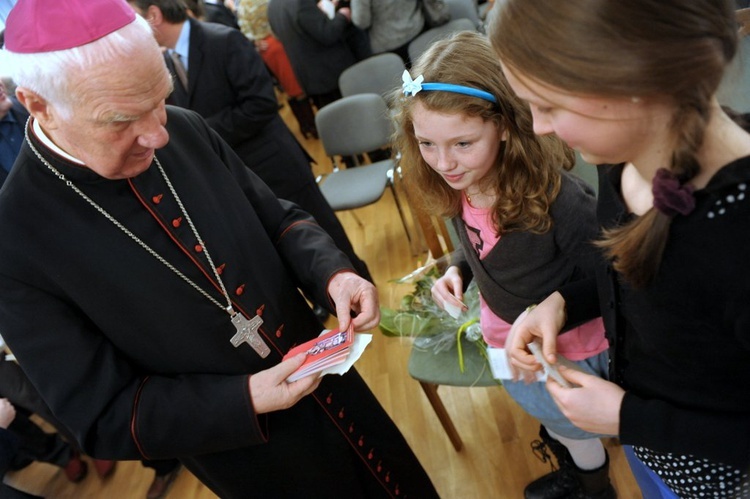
(640, 48)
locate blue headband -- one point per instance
(412, 87)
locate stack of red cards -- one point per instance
(327, 350)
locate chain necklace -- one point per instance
(468, 197)
(478, 198)
(246, 329)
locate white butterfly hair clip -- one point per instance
(411, 87)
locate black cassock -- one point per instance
(139, 364)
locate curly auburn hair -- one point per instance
(526, 176)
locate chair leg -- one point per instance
(359, 222)
(432, 395)
(445, 233)
(430, 236)
(392, 185)
(401, 213)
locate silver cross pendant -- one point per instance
(247, 332)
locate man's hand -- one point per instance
(5, 103)
(7, 413)
(351, 293)
(270, 392)
(346, 12)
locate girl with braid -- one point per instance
(631, 86)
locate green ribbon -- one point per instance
(461, 330)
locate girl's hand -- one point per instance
(449, 289)
(543, 321)
(593, 406)
(518, 373)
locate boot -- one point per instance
(561, 482)
(303, 112)
(595, 484)
(76, 468)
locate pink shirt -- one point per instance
(579, 343)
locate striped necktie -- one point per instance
(179, 68)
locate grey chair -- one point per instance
(743, 19)
(734, 89)
(379, 74)
(351, 126)
(431, 369)
(420, 43)
(465, 9)
(484, 9)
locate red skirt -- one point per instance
(273, 54)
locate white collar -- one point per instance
(51, 145)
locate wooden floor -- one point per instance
(496, 462)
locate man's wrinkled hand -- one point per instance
(356, 296)
(270, 391)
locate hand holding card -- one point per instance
(551, 369)
(333, 352)
(454, 307)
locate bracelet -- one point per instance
(530, 308)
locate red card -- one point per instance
(324, 351)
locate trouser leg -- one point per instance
(303, 112)
(37, 445)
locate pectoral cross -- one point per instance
(247, 332)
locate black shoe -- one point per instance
(595, 484)
(567, 481)
(162, 483)
(321, 313)
(310, 133)
(561, 482)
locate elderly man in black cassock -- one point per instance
(150, 280)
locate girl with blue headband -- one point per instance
(469, 152)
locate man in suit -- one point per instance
(13, 118)
(8, 450)
(216, 11)
(229, 85)
(320, 48)
(35, 444)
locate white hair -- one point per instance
(48, 73)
